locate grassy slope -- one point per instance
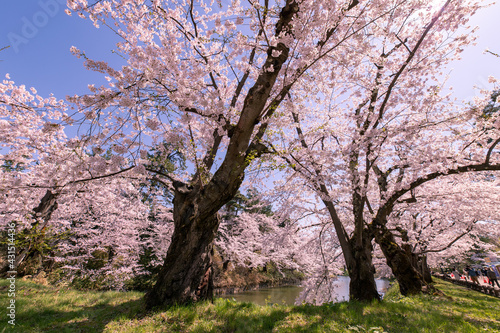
(47, 309)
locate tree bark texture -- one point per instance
(419, 262)
(400, 261)
(187, 273)
(424, 269)
(357, 251)
(361, 270)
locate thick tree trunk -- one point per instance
(187, 273)
(361, 271)
(357, 252)
(424, 269)
(400, 262)
(419, 262)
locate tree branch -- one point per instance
(451, 243)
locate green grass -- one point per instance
(42, 308)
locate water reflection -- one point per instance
(287, 295)
(341, 287)
(278, 295)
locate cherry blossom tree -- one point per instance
(41, 167)
(108, 224)
(469, 149)
(27, 137)
(208, 78)
(253, 236)
(222, 84)
(73, 212)
(382, 129)
(447, 218)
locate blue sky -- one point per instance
(41, 34)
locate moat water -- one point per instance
(288, 295)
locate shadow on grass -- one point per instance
(404, 315)
(222, 316)
(337, 317)
(243, 316)
(340, 317)
(85, 319)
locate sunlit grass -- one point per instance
(48, 309)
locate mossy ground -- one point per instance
(41, 308)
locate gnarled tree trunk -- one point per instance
(187, 274)
(409, 279)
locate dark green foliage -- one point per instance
(492, 106)
(9, 166)
(145, 280)
(248, 203)
(164, 160)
